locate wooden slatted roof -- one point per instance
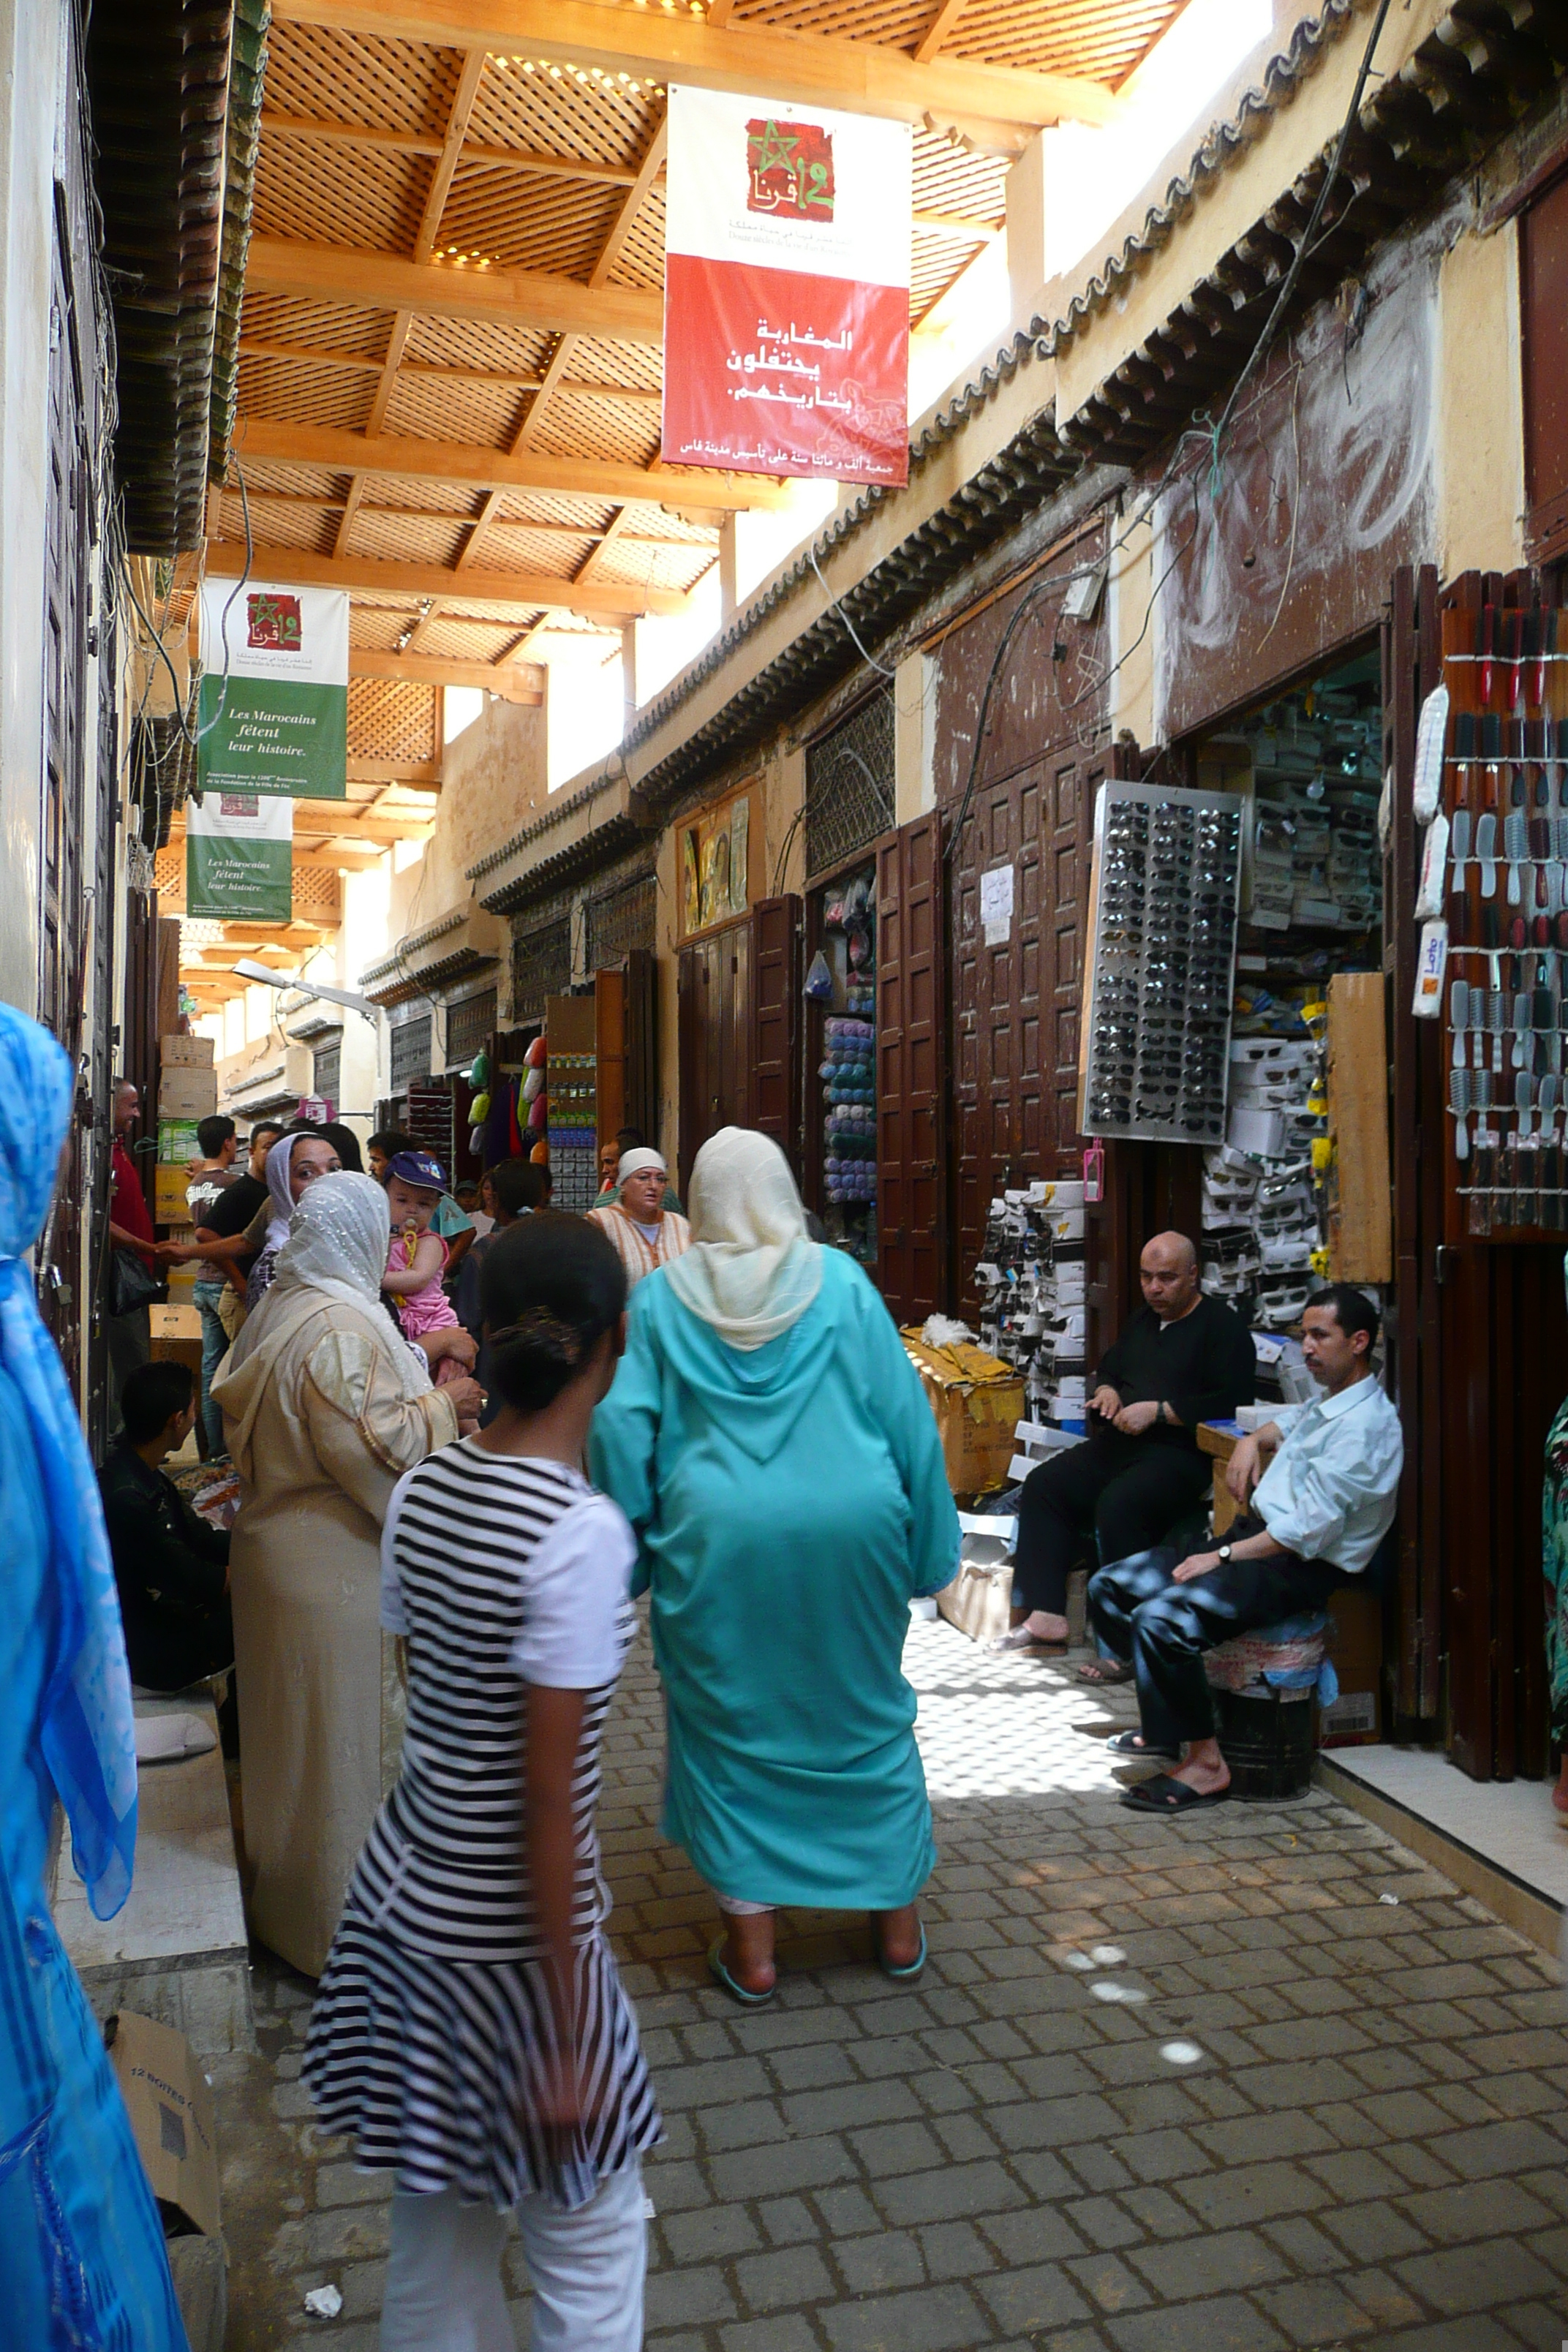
(450, 343)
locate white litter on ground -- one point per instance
(323, 2303)
(1110, 1992)
(1181, 2053)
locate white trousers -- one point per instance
(443, 2291)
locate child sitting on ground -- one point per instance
(417, 1258)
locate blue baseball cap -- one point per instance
(418, 1168)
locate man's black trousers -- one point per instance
(1102, 1500)
(1165, 1628)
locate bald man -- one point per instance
(1182, 1358)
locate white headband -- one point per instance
(632, 1162)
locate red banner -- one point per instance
(786, 291)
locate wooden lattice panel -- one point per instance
(322, 326)
(525, 222)
(455, 408)
(641, 258)
(392, 718)
(318, 892)
(566, 110)
(478, 343)
(339, 195)
(595, 361)
(463, 639)
(308, 523)
(627, 564)
(405, 538)
(339, 76)
(304, 391)
(1102, 44)
(599, 428)
(169, 876)
(379, 627)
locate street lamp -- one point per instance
(265, 977)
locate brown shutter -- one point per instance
(911, 1257)
(1544, 308)
(643, 1104)
(775, 1039)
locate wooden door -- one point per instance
(911, 1225)
(610, 1053)
(1016, 997)
(715, 1029)
(642, 1044)
(777, 931)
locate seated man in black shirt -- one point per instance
(170, 1568)
(1182, 1358)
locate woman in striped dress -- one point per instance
(471, 2033)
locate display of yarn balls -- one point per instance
(849, 1075)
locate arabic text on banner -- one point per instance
(787, 290)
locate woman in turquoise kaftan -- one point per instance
(770, 1441)
(82, 2266)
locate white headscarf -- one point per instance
(338, 1242)
(750, 1272)
(631, 1163)
(280, 1168)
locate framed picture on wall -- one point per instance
(715, 858)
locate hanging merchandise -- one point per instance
(479, 1073)
(842, 980)
(1505, 668)
(480, 1109)
(1033, 1310)
(1167, 865)
(1307, 767)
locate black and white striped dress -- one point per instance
(433, 2020)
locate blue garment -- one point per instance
(789, 1502)
(82, 2266)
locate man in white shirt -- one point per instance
(1319, 1511)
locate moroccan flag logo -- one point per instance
(274, 622)
(789, 168)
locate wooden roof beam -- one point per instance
(515, 298)
(267, 441)
(226, 561)
(514, 682)
(309, 129)
(752, 60)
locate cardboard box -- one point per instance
(185, 1093)
(978, 1401)
(170, 1206)
(177, 1143)
(170, 2103)
(1355, 1645)
(193, 1052)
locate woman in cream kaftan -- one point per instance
(324, 1408)
(770, 1441)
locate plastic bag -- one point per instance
(819, 979)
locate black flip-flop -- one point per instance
(1102, 1673)
(1164, 1795)
(1133, 1748)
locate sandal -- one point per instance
(1134, 1746)
(1020, 1638)
(1098, 1672)
(1164, 1795)
(911, 1969)
(732, 1985)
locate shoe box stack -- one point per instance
(1030, 1279)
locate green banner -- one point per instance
(275, 736)
(239, 858)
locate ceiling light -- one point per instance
(262, 976)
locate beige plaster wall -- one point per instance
(494, 779)
(1132, 629)
(1480, 410)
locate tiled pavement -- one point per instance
(1255, 2080)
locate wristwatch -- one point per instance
(1223, 1555)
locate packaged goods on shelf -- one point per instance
(841, 1012)
(1030, 1279)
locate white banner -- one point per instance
(275, 690)
(239, 857)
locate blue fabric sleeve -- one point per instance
(898, 1403)
(624, 1434)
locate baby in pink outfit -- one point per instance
(417, 1258)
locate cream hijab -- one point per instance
(336, 1248)
(750, 1272)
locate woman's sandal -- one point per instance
(732, 1985)
(1020, 1638)
(911, 1969)
(1164, 1795)
(1099, 1671)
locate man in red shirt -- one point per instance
(131, 1234)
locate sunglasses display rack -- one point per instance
(1030, 1279)
(1505, 896)
(1167, 870)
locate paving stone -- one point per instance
(1220, 2323)
(929, 2319)
(709, 2233)
(790, 2333)
(1476, 2278)
(786, 2279)
(686, 2297)
(889, 2259)
(1313, 2311)
(1030, 2300)
(1373, 2232)
(958, 2189)
(1201, 2266)
(1108, 2282)
(1478, 2209)
(1256, 2194)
